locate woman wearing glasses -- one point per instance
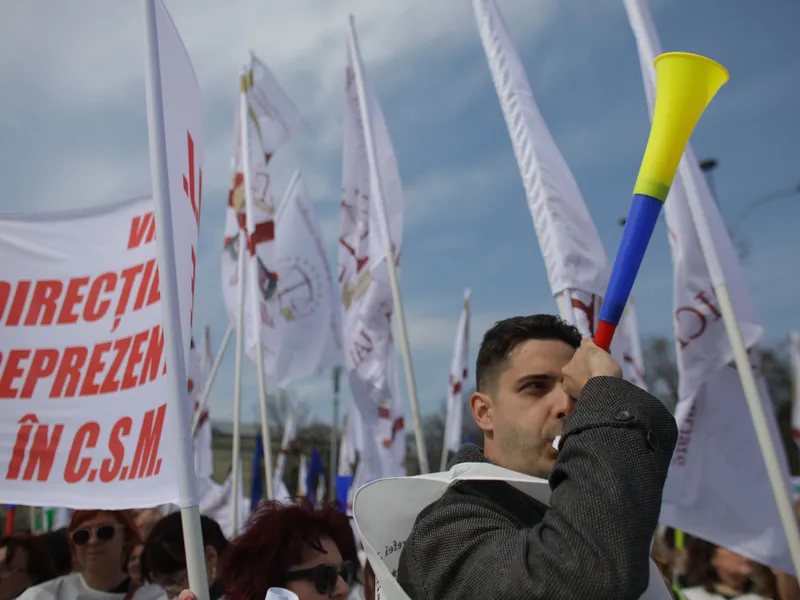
(291, 546)
(102, 541)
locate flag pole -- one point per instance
(780, 490)
(237, 380)
(201, 405)
(337, 373)
(255, 301)
(391, 266)
(171, 316)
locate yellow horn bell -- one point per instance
(685, 84)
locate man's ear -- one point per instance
(482, 406)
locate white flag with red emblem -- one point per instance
(367, 303)
(717, 487)
(576, 262)
(272, 120)
(459, 372)
(309, 334)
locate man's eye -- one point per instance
(535, 385)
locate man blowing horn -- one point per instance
(550, 406)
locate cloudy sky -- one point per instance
(73, 134)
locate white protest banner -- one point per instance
(83, 396)
(384, 530)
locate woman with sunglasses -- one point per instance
(102, 541)
(291, 546)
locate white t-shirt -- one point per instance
(356, 592)
(73, 587)
(699, 593)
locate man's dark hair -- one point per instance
(164, 552)
(507, 334)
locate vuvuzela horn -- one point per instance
(685, 84)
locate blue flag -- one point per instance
(315, 470)
(343, 483)
(470, 439)
(257, 489)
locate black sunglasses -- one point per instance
(324, 577)
(104, 533)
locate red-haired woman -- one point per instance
(102, 541)
(293, 546)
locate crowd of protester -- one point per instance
(139, 555)
(695, 569)
(311, 551)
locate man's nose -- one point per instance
(563, 404)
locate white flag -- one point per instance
(351, 442)
(717, 487)
(203, 456)
(273, 119)
(459, 371)
(308, 328)
(628, 346)
(275, 116)
(576, 262)
(366, 294)
(216, 501)
(182, 152)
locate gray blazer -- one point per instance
(486, 540)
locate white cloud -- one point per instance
(88, 59)
(100, 45)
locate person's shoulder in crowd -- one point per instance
(700, 593)
(48, 590)
(73, 587)
(148, 591)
